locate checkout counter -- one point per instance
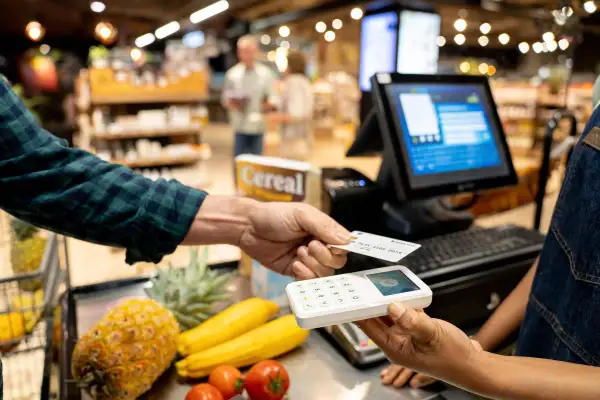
(438, 135)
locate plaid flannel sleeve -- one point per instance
(73, 192)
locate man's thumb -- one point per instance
(416, 324)
(322, 226)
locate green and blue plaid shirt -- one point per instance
(74, 193)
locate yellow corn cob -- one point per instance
(267, 341)
(226, 325)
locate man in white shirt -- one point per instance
(247, 95)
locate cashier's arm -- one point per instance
(412, 339)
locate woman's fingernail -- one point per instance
(397, 308)
(344, 236)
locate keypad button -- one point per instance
(355, 297)
(324, 304)
(318, 290)
(346, 284)
(313, 283)
(321, 296)
(329, 281)
(332, 287)
(343, 278)
(351, 290)
(340, 301)
(308, 306)
(302, 291)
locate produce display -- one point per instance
(267, 341)
(266, 380)
(30, 306)
(132, 345)
(27, 251)
(12, 328)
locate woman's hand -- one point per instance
(415, 341)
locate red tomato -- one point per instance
(204, 391)
(228, 380)
(267, 380)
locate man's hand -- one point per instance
(289, 238)
(414, 340)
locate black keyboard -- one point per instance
(473, 247)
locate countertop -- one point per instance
(317, 370)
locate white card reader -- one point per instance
(353, 297)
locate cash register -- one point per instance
(438, 135)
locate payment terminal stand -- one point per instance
(438, 136)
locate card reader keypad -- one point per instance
(326, 293)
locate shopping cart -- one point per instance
(27, 304)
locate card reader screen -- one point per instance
(392, 282)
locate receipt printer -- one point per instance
(351, 198)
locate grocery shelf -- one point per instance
(148, 133)
(163, 160)
(142, 97)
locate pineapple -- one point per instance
(27, 252)
(135, 342)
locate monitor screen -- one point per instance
(447, 133)
(378, 46)
(392, 282)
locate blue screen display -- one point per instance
(446, 127)
(378, 46)
(392, 282)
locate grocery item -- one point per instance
(12, 328)
(30, 306)
(126, 351)
(275, 179)
(229, 380)
(228, 324)
(267, 341)
(267, 380)
(204, 391)
(189, 293)
(26, 252)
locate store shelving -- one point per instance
(147, 98)
(148, 133)
(162, 160)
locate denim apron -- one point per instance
(562, 321)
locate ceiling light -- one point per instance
(460, 25)
(491, 70)
(285, 44)
(135, 54)
(97, 6)
(483, 68)
(465, 67)
(321, 27)
(105, 32)
(589, 7)
(483, 41)
(167, 30)
(144, 40)
(552, 45)
(440, 41)
(330, 36)
(563, 44)
(35, 31)
(503, 38)
(548, 37)
(460, 39)
(209, 11)
(44, 49)
(265, 39)
(337, 23)
(537, 47)
(284, 31)
(523, 47)
(271, 56)
(356, 13)
(485, 28)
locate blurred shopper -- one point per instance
(296, 110)
(247, 94)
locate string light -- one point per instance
(330, 36)
(45, 49)
(485, 28)
(440, 41)
(563, 44)
(589, 7)
(35, 31)
(483, 41)
(483, 68)
(537, 47)
(523, 47)
(97, 6)
(284, 31)
(105, 32)
(265, 39)
(321, 27)
(504, 38)
(460, 39)
(285, 44)
(548, 37)
(460, 25)
(552, 45)
(356, 13)
(337, 23)
(135, 54)
(491, 70)
(465, 67)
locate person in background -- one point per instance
(296, 110)
(247, 95)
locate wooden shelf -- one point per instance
(163, 160)
(148, 133)
(147, 97)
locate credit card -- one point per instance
(380, 247)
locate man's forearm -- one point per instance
(520, 378)
(221, 219)
(507, 318)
